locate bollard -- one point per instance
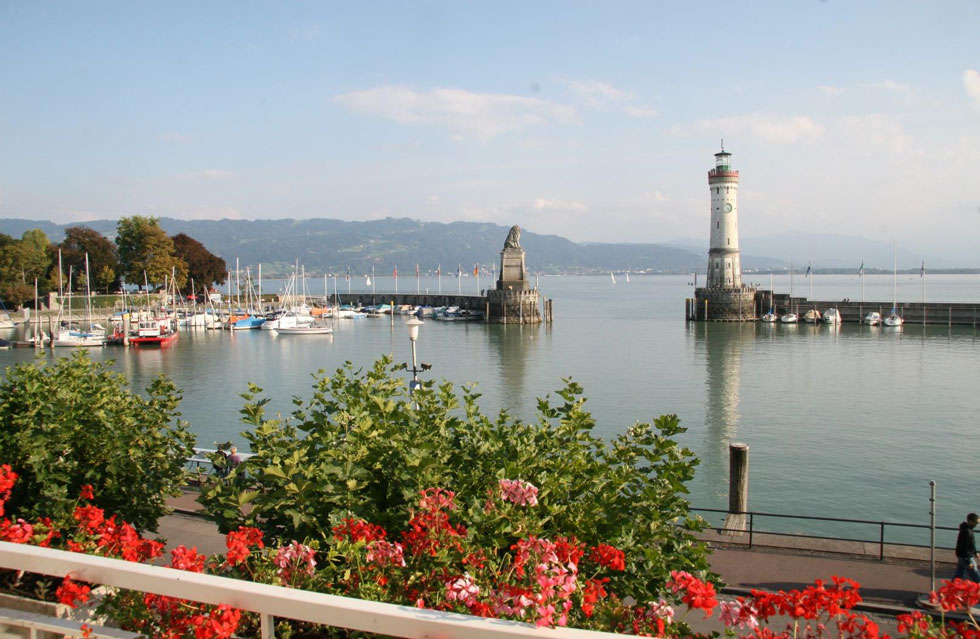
(738, 489)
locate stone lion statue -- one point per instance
(513, 238)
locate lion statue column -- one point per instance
(514, 300)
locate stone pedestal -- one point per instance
(513, 276)
(725, 304)
(514, 306)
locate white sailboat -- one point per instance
(612, 276)
(893, 318)
(90, 334)
(627, 277)
(770, 317)
(812, 316)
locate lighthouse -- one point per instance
(724, 264)
(723, 297)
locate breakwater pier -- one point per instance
(851, 311)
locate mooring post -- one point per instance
(738, 489)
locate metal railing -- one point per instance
(273, 601)
(880, 527)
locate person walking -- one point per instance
(966, 550)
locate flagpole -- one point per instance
(396, 280)
(372, 283)
(418, 281)
(459, 279)
(439, 277)
(476, 271)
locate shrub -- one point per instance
(73, 422)
(362, 447)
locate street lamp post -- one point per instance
(413, 335)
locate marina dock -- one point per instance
(852, 311)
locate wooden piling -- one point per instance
(736, 522)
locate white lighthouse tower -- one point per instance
(724, 297)
(724, 263)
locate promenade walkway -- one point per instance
(889, 587)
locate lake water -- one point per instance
(852, 422)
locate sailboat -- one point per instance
(612, 276)
(71, 335)
(627, 277)
(770, 317)
(893, 318)
(812, 316)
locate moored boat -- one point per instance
(831, 316)
(812, 316)
(311, 329)
(873, 318)
(893, 319)
(158, 330)
(789, 318)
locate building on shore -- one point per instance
(724, 296)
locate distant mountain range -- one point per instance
(333, 246)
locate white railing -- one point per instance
(269, 601)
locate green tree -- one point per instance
(21, 261)
(106, 278)
(204, 267)
(73, 422)
(146, 252)
(102, 253)
(362, 446)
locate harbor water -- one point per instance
(849, 422)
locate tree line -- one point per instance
(142, 254)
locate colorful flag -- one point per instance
(416, 270)
(395, 273)
(476, 268)
(807, 274)
(922, 271)
(861, 271)
(439, 270)
(348, 274)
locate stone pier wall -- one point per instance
(514, 307)
(724, 304)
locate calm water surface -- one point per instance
(850, 423)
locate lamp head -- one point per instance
(413, 328)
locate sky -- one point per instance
(596, 121)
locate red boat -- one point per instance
(155, 331)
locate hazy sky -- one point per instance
(591, 120)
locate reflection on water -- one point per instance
(513, 345)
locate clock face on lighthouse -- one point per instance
(728, 207)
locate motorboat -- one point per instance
(812, 316)
(769, 317)
(155, 331)
(873, 318)
(790, 318)
(831, 316)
